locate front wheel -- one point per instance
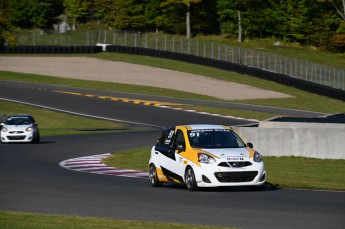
(190, 180)
(154, 177)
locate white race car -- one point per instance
(205, 156)
(19, 128)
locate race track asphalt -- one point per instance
(32, 180)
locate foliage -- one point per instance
(305, 21)
(121, 14)
(5, 27)
(76, 9)
(339, 42)
(34, 13)
(318, 23)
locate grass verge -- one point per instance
(17, 220)
(283, 172)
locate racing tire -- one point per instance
(190, 181)
(36, 137)
(154, 177)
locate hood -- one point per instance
(17, 127)
(228, 152)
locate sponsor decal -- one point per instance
(235, 158)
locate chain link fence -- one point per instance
(320, 74)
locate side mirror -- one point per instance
(180, 147)
(1, 124)
(250, 145)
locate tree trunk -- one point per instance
(239, 26)
(188, 21)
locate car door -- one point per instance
(165, 152)
(179, 146)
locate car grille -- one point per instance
(16, 132)
(16, 137)
(236, 176)
(235, 164)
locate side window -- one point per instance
(179, 140)
(166, 137)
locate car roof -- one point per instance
(19, 115)
(205, 126)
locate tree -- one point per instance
(153, 14)
(339, 6)
(6, 36)
(121, 14)
(34, 13)
(187, 3)
(76, 9)
(230, 12)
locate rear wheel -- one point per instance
(154, 177)
(190, 180)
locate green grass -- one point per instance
(17, 220)
(291, 50)
(306, 173)
(282, 172)
(56, 123)
(129, 159)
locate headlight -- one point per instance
(205, 158)
(4, 129)
(29, 129)
(257, 157)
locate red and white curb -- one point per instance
(93, 164)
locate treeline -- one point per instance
(319, 23)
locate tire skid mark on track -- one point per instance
(93, 164)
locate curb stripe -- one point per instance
(93, 164)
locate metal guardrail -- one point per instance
(304, 70)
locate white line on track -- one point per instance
(79, 114)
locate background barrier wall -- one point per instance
(50, 49)
(323, 141)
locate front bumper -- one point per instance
(22, 137)
(213, 175)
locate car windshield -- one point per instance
(214, 138)
(19, 121)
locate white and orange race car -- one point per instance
(205, 156)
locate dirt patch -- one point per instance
(119, 72)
